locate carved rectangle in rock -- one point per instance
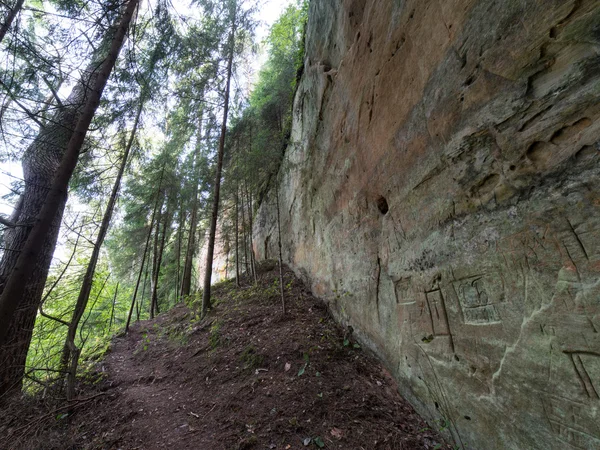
(404, 292)
(478, 296)
(575, 424)
(437, 311)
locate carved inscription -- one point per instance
(583, 375)
(404, 292)
(437, 312)
(478, 298)
(572, 422)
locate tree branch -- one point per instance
(7, 222)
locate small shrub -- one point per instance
(250, 358)
(214, 337)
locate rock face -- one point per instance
(442, 195)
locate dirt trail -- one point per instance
(243, 378)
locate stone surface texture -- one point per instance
(442, 195)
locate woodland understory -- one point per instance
(140, 129)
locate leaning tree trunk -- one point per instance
(69, 349)
(217, 189)
(48, 164)
(139, 305)
(112, 311)
(10, 17)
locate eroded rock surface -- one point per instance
(442, 194)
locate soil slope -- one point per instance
(244, 377)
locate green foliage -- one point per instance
(174, 69)
(260, 134)
(251, 358)
(43, 359)
(214, 336)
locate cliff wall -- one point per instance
(441, 194)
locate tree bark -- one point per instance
(10, 17)
(215, 206)
(48, 164)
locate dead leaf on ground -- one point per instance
(336, 433)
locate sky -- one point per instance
(270, 10)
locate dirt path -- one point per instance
(243, 378)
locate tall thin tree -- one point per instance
(217, 187)
(19, 292)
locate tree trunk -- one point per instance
(139, 305)
(10, 17)
(48, 164)
(186, 283)
(154, 266)
(283, 308)
(161, 248)
(88, 279)
(244, 235)
(252, 258)
(215, 206)
(237, 254)
(137, 284)
(112, 311)
(178, 286)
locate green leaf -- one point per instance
(318, 374)
(62, 416)
(320, 395)
(356, 346)
(319, 442)
(346, 342)
(301, 371)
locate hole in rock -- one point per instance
(469, 81)
(512, 167)
(382, 204)
(467, 417)
(437, 405)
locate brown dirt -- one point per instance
(222, 383)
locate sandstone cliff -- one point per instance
(441, 194)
